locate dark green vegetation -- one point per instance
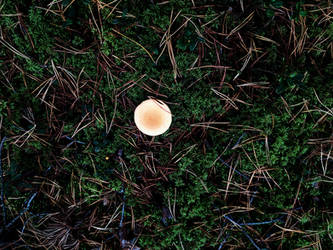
(247, 163)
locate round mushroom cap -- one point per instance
(152, 117)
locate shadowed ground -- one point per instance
(246, 164)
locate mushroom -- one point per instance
(152, 117)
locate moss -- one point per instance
(89, 66)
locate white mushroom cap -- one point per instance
(152, 117)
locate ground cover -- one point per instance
(247, 162)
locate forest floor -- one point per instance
(246, 164)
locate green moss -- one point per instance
(213, 158)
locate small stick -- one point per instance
(2, 184)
